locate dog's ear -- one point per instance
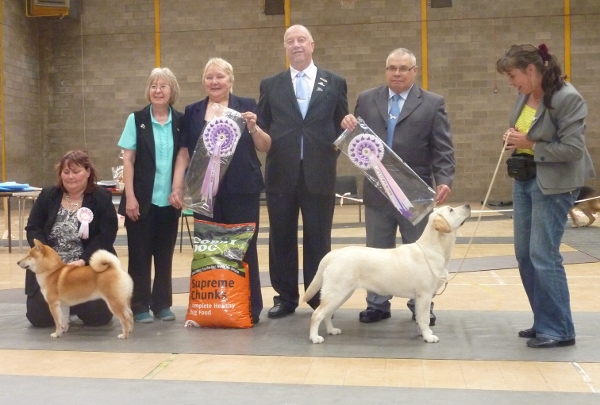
(441, 225)
(39, 246)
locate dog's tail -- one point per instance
(102, 260)
(316, 283)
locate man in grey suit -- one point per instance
(302, 109)
(419, 132)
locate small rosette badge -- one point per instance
(85, 216)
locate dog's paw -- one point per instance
(317, 339)
(122, 336)
(431, 339)
(334, 331)
(55, 335)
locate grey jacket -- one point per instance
(562, 160)
(421, 137)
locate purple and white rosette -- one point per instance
(224, 132)
(364, 146)
(220, 138)
(366, 152)
(85, 216)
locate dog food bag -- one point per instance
(220, 283)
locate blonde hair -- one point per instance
(166, 74)
(220, 64)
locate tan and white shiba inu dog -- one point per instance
(416, 270)
(67, 285)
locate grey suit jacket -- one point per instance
(421, 138)
(279, 111)
(563, 162)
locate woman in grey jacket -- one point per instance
(549, 164)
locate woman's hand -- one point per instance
(516, 140)
(176, 198)
(250, 119)
(79, 262)
(349, 122)
(132, 209)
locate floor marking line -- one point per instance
(586, 377)
(160, 367)
(497, 277)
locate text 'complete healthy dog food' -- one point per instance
(219, 283)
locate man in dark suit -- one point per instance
(419, 132)
(302, 108)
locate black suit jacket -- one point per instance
(144, 168)
(243, 174)
(103, 228)
(278, 108)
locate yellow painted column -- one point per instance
(157, 31)
(288, 22)
(567, 17)
(424, 46)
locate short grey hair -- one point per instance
(400, 52)
(166, 74)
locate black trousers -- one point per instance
(92, 313)
(153, 236)
(317, 220)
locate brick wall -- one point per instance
(83, 77)
(22, 108)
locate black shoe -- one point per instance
(371, 315)
(527, 333)
(546, 343)
(432, 317)
(279, 311)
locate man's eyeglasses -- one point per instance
(401, 69)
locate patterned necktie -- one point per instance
(302, 93)
(393, 119)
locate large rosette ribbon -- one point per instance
(407, 192)
(211, 159)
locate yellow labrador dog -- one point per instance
(67, 285)
(415, 270)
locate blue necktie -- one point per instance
(393, 119)
(302, 93)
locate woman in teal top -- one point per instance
(547, 124)
(150, 141)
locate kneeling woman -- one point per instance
(55, 220)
